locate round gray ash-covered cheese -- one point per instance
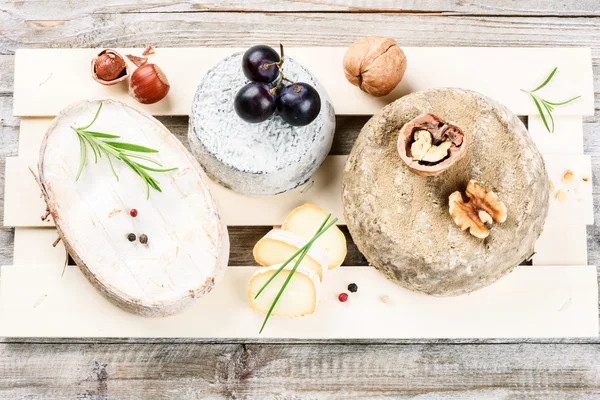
(261, 159)
(400, 221)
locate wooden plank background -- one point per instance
(124, 369)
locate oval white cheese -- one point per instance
(188, 245)
(260, 159)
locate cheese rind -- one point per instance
(188, 245)
(259, 159)
(299, 298)
(305, 220)
(278, 245)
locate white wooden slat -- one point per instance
(577, 207)
(543, 301)
(565, 245)
(31, 133)
(567, 137)
(48, 80)
(23, 202)
(33, 246)
(23, 205)
(561, 245)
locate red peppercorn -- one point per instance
(343, 297)
(133, 212)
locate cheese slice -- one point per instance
(299, 298)
(188, 246)
(277, 246)
(305, 220)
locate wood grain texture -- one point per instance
(43, 10)
(430, 369)
(248, 371)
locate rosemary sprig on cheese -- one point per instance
(125, 152)
(544, 106)
(300, 254)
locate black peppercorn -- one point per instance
(131, 237)
(143, 239)
(353, 288)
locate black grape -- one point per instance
(254, 102)
(298, 104)
(254, 61)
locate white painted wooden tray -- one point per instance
(555, 297)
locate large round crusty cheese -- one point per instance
(262, 159)
(400, 221)
(188, 245)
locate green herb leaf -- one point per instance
(564, 102)
(112, 167)
(547, 105)
(82, 157)
(156, 169)
(548, 79)
(119, 150)
(537, 104)
(83, 128)
(131, 147)
(102, 135)
(143, 157)
(93, 148)
(549, 109)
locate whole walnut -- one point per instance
(375, 64)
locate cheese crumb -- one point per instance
(568, 176)
(561, 196)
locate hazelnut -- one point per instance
(109, 67)
(148, 84)
(482, 208)
(429, 146)
(375, 64)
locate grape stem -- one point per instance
(279, 65)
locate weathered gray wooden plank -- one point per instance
(9, 141)
(46, 9)
(191, 371)
(305, 29)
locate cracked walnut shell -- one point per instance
(375, 64)
(482, 208)
(429, 145)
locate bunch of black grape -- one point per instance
(297, 103)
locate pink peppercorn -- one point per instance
(133, 212)
(343, 297)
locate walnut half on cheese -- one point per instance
(299, 298)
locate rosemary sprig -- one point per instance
(544, 106)
(125, 152)
(301, 253)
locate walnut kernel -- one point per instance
(429, 145)
(482, 208)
